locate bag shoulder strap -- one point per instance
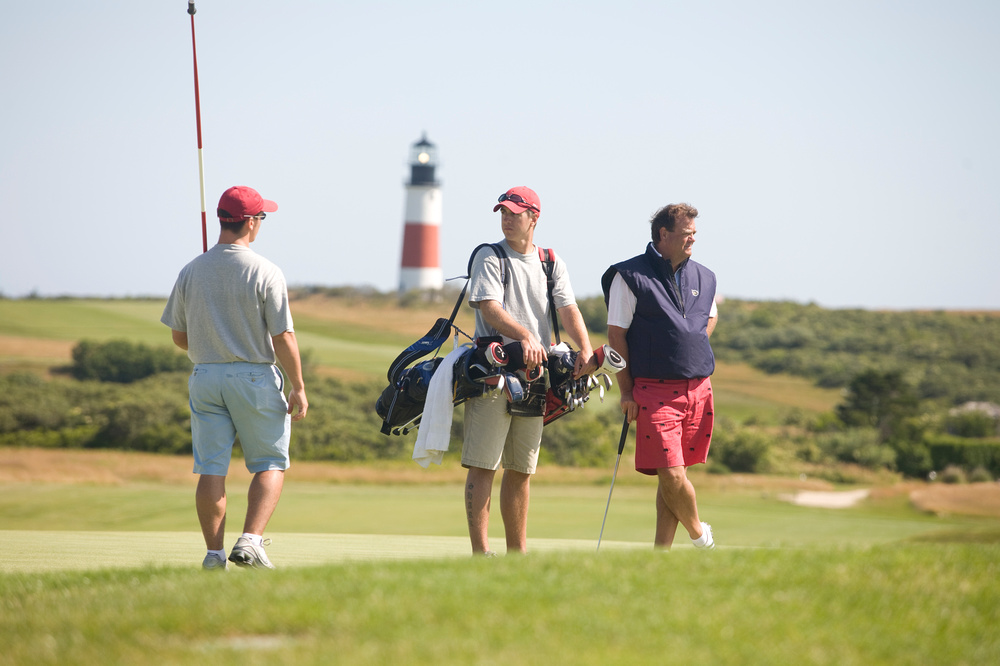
(441, 330)
(548, 259)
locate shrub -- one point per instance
(584, 438)
(123, 361)
(971, 423)
(739, 449)
(980, 475)
(857, 445)
(953, 474)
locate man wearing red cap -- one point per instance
(661, 312)
(229, 310)
(516, 308)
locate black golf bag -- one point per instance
(488, 365)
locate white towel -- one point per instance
(434, 433)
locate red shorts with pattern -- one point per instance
(674, 427)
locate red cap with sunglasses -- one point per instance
(241, 203)
(518, 200)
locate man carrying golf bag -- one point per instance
(514, 306)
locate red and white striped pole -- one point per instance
(197, 114)
(420, 268)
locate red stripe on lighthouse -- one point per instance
(420, 245)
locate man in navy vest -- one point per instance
(661, 312)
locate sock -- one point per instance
(703, 539)
(255, 539)
(221, 554)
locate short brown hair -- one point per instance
(667, 217)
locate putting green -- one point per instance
(37, 551)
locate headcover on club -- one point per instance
(566, 393)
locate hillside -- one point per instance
(794, 385)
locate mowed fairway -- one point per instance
(108, 572)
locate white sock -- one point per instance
(703, 540)
(255, 539)
(221, 554)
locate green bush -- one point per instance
(739, 449)
(860, 446)
(971, 423)
(151, 415)
(582, 438)
(963, 452)
(123, 362)
(342, 425)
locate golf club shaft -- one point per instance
(621, 447)
(197, 114)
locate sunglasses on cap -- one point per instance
(223, 215)
(518, 199)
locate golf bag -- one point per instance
(480, 368)
(488, 365)
(565, 394)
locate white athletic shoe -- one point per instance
(706, 531)
(213, 562)
(246, 554)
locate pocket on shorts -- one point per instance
(264, 386)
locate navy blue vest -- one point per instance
(668, 337)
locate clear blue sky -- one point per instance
(845, 153)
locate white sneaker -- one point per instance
(246, 554)
(213, 562)
(706, 535)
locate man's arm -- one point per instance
(618, 342)
(712, 321)
(180, 338)
(286, 348)
(494, 314)
(576, 329)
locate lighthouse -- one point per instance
(420, 268)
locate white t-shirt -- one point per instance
(230, 301)
(526, 299)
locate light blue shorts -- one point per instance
(245, 399)
(493, 436)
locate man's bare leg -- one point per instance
(262, 498)
(515, 495)
(210, 500)
(478, 492)
(679, 497)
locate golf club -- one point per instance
(197, 114)
(621, 447)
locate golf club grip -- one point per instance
(621, 442)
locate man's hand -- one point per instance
(630, 408)
(286, 348)
(297, 398)
(585, 365)
(534, 353)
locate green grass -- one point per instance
(558, 511)
(379, 573)
(73, 319)
(832, 606)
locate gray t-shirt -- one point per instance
(230, 301)
(526, 299)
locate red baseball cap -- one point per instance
(240, 203)
(518, 200)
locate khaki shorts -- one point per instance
(492, 436)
